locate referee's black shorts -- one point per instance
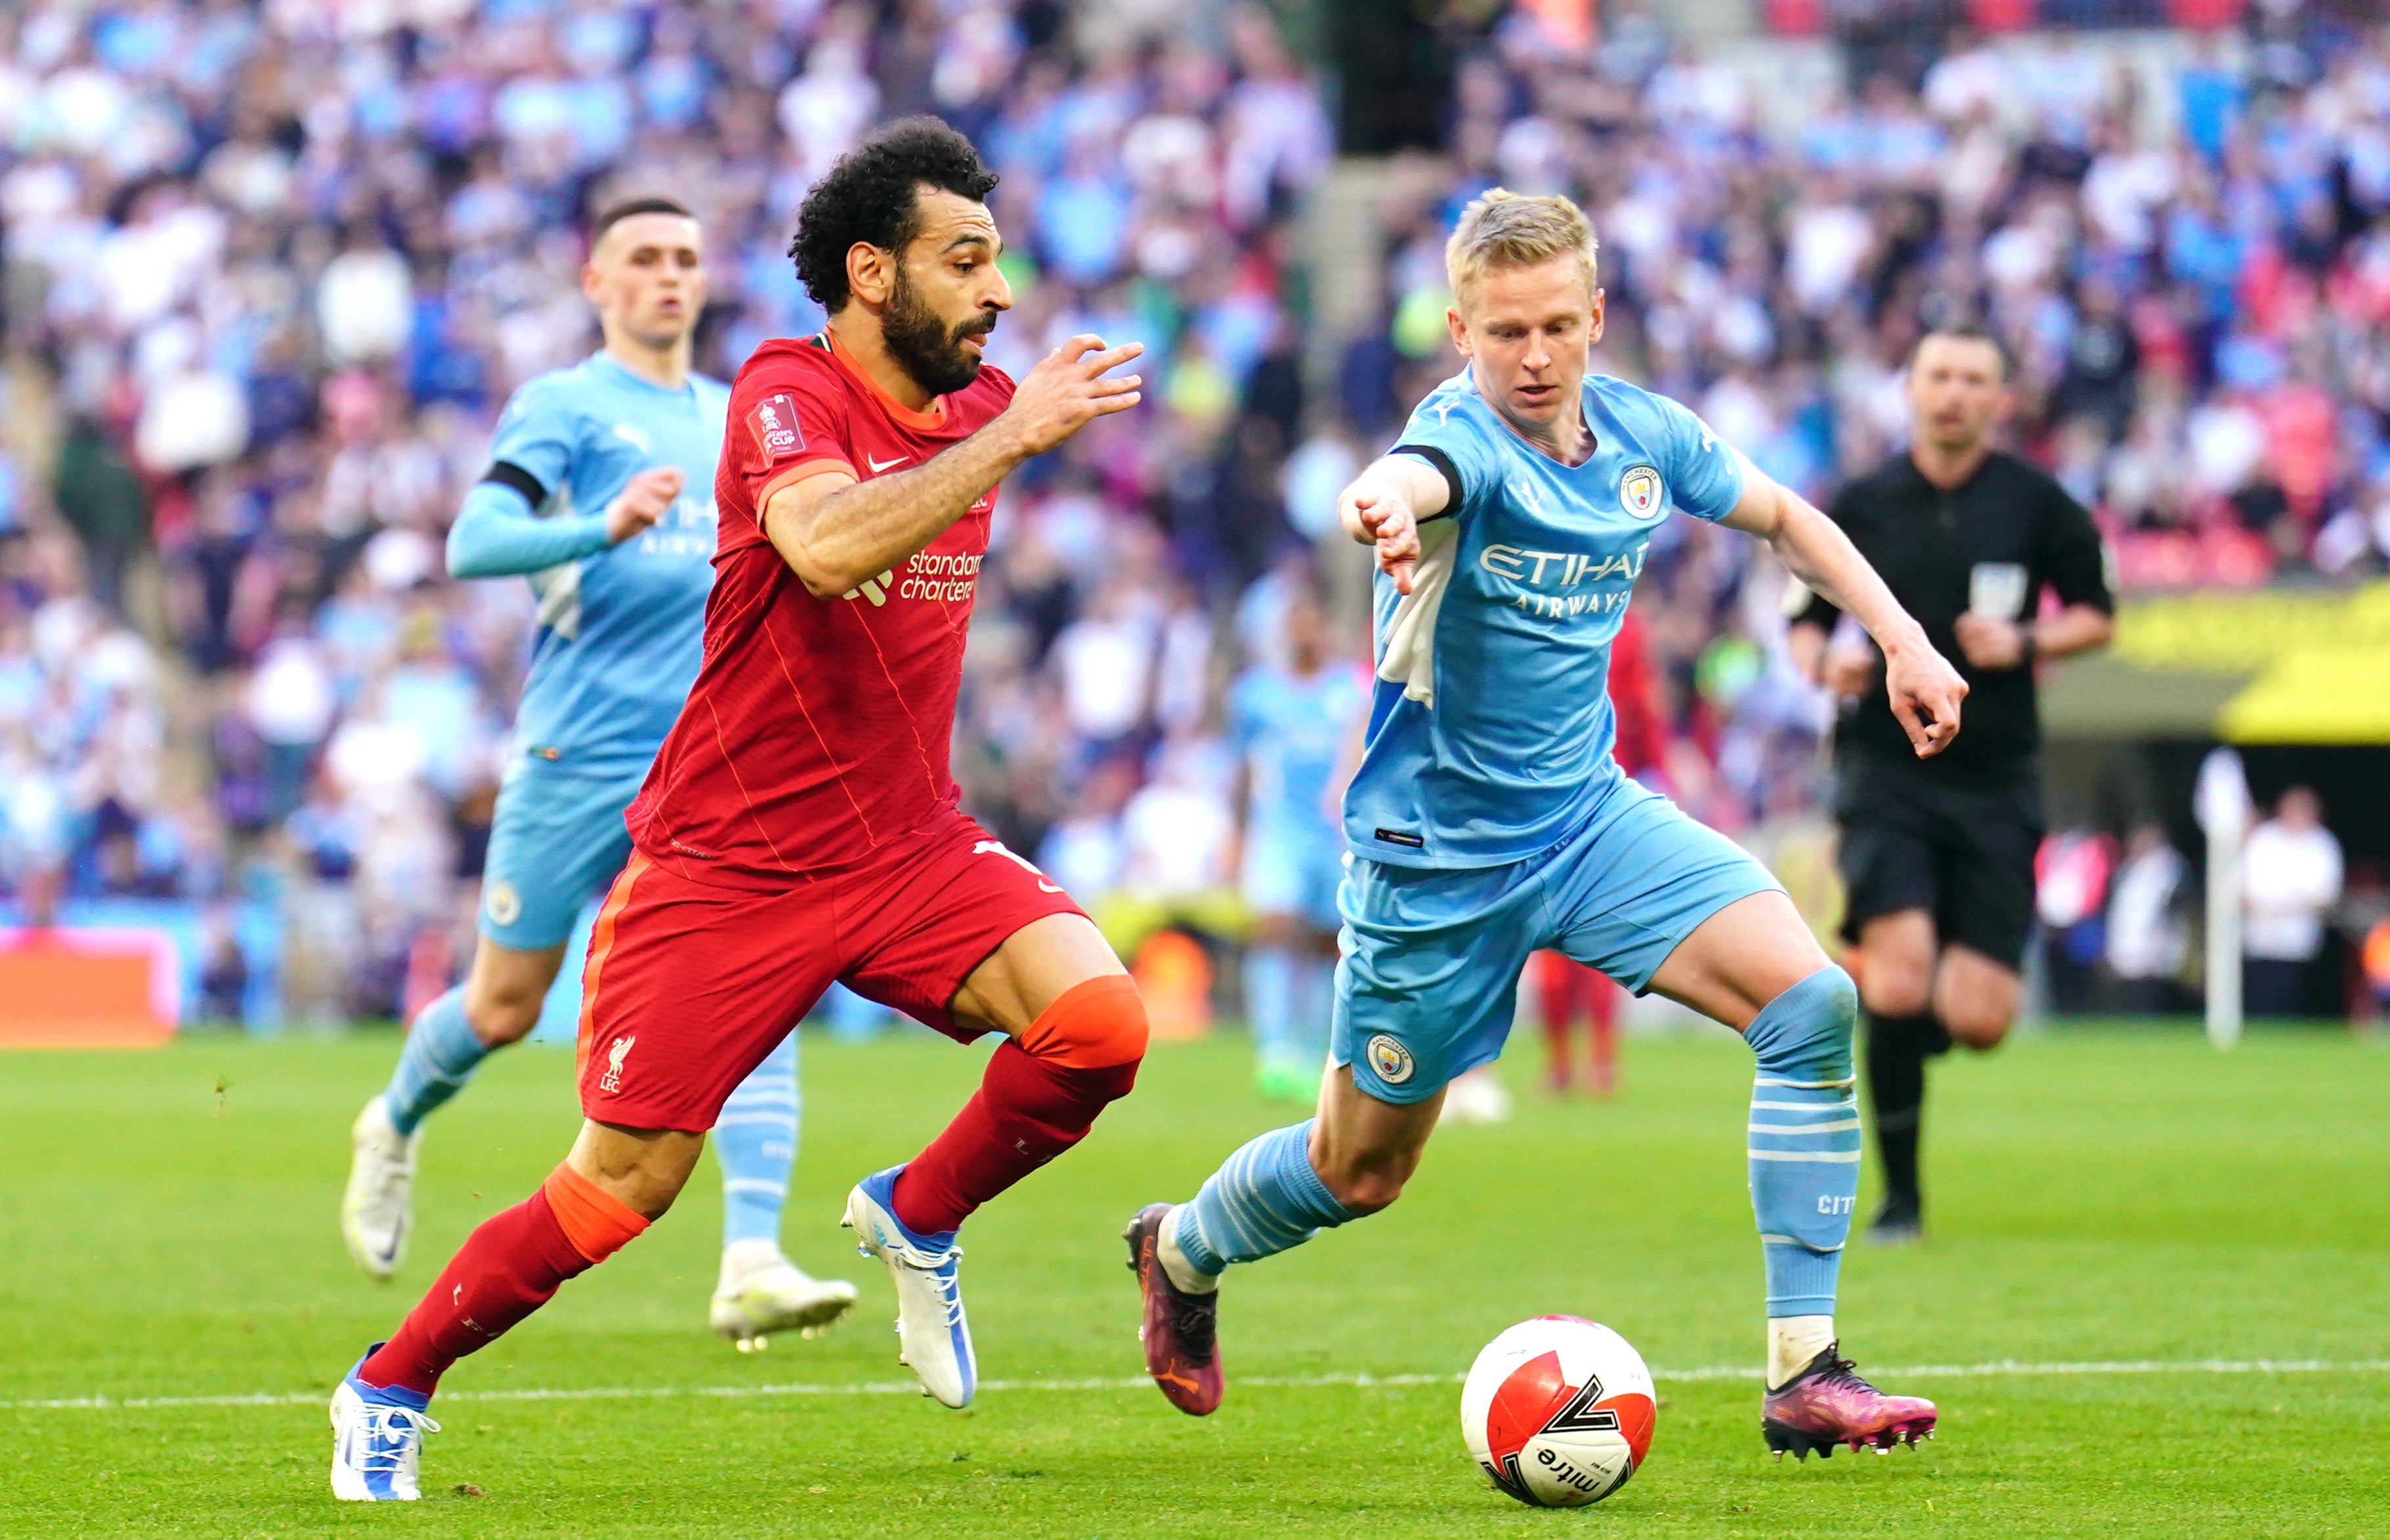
(1961, 850)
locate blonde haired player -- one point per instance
(1488, 818)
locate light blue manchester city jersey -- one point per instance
(621, 630)
(1292, 731)
(1512, 754)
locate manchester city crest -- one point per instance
(1641, 493)
(1390, 1059)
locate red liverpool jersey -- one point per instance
(817, 729)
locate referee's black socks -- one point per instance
(1898, 1047)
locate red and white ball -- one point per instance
(1558, 1410)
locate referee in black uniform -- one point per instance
(1937, 855)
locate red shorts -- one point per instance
(690, 985)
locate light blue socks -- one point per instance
(1263, 1199)
(756, 1140)
(1289, 995)
(1804, 1139)
(1270, 1004)
(1804, 1145)
(439, 1058)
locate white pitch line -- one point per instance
(2003, 1368)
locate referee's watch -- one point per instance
(2028, 646)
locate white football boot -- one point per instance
(932, 1335)
(374, 1210)
(376, 1441)
(762, 1292)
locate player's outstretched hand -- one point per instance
(642, 501)
(1067, 390)
(1925, 692)
(1385, 520)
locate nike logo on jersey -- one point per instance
(631, 436)
(996, 847)
(879, 465)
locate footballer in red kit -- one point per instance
(799, 824)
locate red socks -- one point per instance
(1566, 987)
(508, 1268)
(1039, 1096)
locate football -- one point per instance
(1558, 1410)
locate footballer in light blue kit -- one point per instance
(1489, 819)
(600, 493)
(1292, 719)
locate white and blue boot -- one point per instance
(933, 1336)
(376, 1439)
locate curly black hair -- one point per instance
(873, 195)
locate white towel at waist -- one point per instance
(1410, 658)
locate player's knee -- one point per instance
(598, 1223)
(1096, 1029)
(1896, 985)
(1975, 999)
(1976, 1024)
(1364, 1181)
(1814, 1021)
(500, 1017)
(1366, 1192)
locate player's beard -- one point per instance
(924, 346)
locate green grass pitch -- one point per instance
(2129, 1202)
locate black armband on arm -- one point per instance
(1443, 465)
(514, 478)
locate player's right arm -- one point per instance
(1384, 506)
(1833, 655)
(1923, 688)
(498, 531)
(834, 531)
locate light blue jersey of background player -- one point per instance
(1293, 719)
(620, 626)
(601, 494)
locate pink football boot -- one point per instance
(1827, 1404)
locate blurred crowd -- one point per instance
(272, 268)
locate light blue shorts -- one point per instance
(556, 841)
(1430, 976)
(1294, 872)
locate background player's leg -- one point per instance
(1602, 1010)
(759, 1290)
(1896, 969)
(756, 1140)
(1556, 1001)
(498, 1004)
(1315, 1003)
(1754, 966)
(1273, 970)
(1974, 996)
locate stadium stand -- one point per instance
(271, 269)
